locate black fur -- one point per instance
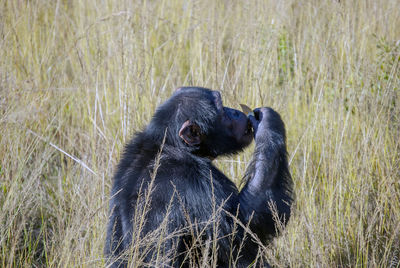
(167, 193)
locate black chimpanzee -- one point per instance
(168, 199)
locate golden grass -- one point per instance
(77, 78)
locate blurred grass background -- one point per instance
(77, 78)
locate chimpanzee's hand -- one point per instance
(260, 121)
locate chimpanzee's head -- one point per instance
(196, 120)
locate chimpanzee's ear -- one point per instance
(190, 133)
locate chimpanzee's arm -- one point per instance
(269, 183)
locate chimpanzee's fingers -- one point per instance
(254, 123)
(258, 112)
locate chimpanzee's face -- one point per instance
(207, 126)
(233, 122)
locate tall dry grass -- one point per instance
(77, 78)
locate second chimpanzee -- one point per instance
(170, 206)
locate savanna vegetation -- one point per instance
(78, 78)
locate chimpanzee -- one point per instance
(168, 199)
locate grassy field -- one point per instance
(78, 78)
